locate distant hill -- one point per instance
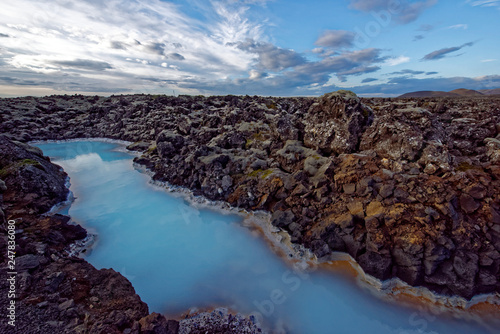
(429, 93)
(466, 92)
(490, 91)
(454, 93)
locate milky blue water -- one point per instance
(177, 256)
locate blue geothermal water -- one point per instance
(177, 256)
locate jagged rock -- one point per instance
(3, 187)
(435, 156)
(232, 140)
(282, 218)
(356, 209)
(376, 264)
(219, 321)
(26, 262)
(493, 149)
(285, 129)
(394, 139)
(157, 324)
(30, 180)
(140, 146)
(468, 204)
(336, 122)
(168, 143)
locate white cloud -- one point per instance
(485, 3)
(255, 75)
(459, 26)
(488, 60)
(91, 32)
(397, 61)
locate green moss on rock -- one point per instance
(261, 173)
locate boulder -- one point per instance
(29, 180)
(168, 143)
(336, 122)
(282, 218)
(285, 128)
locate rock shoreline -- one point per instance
(57, 292)
(408, 187)
(279, 240)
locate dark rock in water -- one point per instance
(336, 122)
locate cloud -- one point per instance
(445, 84)
(4, 35)
(107, 36)
(271, 57)
(488, 60)
(256, 75)
(431, 73)
(407, 71)
(484, 3)
(404, 11)
(176, 56)
(83, 64)
(310, 77)
(459, 26)
(24, 82)
(156, 48)
(441, 53)
(336, 39)
(118, 45)
(152, 46)
(425, 27)
(360, 70)
(251, 2)
(62, 82)
(397, 61)
(342, 65)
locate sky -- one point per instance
(247, 47)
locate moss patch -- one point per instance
(19, 164)
(258, 136)
(261, 173)
(272, 106)
(4, 172)
(30, 162)
(151, 149)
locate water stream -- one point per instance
(177, 256)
